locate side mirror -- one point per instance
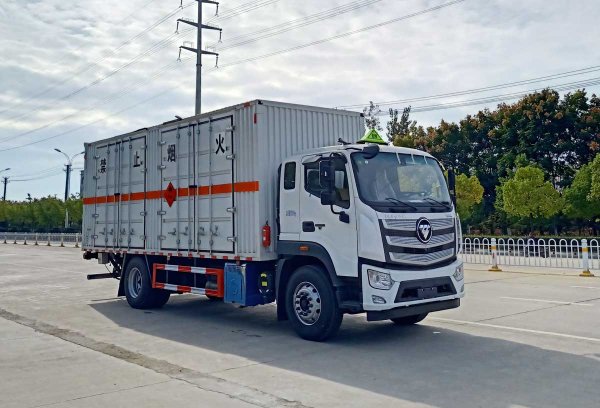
(452, 185)
(327, 175)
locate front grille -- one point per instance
(422, 259)
(413, 242)
(409, 225)
(403, 247)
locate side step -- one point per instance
(100, 276)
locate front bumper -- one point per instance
(404, 311)
(403, 278)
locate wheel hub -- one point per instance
(307, 303)
(135, 282)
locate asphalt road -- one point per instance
(518, 340)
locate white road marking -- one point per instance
(518, 329)
(586, 287)
(556, 302)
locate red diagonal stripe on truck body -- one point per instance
(241, 187)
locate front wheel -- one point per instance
(408, 320)
(311, 304)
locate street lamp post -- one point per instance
(68, 168)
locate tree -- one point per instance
(398, 128)
(528, 195)
(75, 207)
(579, 203)
(371, 113)
(469, 192)
(404, 132)
(594, 194)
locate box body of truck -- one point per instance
(201, 187)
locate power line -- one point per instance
(346, 34)
(149, 51)
(504, 97)
(110, 98)
(98, 61)
(581, 71)
(93, 122)
(13, 180)
(294, 24)
(37, 173)
(133, 13)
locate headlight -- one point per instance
(459, 273)
(380, 280)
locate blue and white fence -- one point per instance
(562, 253)
(34, 238)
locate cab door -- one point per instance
(322, 224)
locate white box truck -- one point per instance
(264, 202)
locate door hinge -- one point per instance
(161, 212)
(230, 129)
(231, 210)
(162, 167)
(232, 239)
(162, 142)
(230, 157)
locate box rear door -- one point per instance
(215, 200)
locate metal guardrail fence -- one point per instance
(48, 239)
(547, 253)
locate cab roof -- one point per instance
(358, 147)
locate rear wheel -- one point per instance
(407, 320)
(311, 304)
(138, 287)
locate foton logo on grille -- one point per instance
(424, 230)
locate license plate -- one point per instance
(426, 293)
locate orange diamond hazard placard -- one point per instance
(170, 194)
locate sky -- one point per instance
(78, 71)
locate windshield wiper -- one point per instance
(443, 204)
(404, 203)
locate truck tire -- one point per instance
(138, 288)
(408, 320)
(311, 304)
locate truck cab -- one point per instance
(379, 222)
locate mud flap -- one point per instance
(121, 291)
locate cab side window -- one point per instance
(289, 176)
(313, 186)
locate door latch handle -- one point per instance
(308, 226)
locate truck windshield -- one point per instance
(401, 182)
